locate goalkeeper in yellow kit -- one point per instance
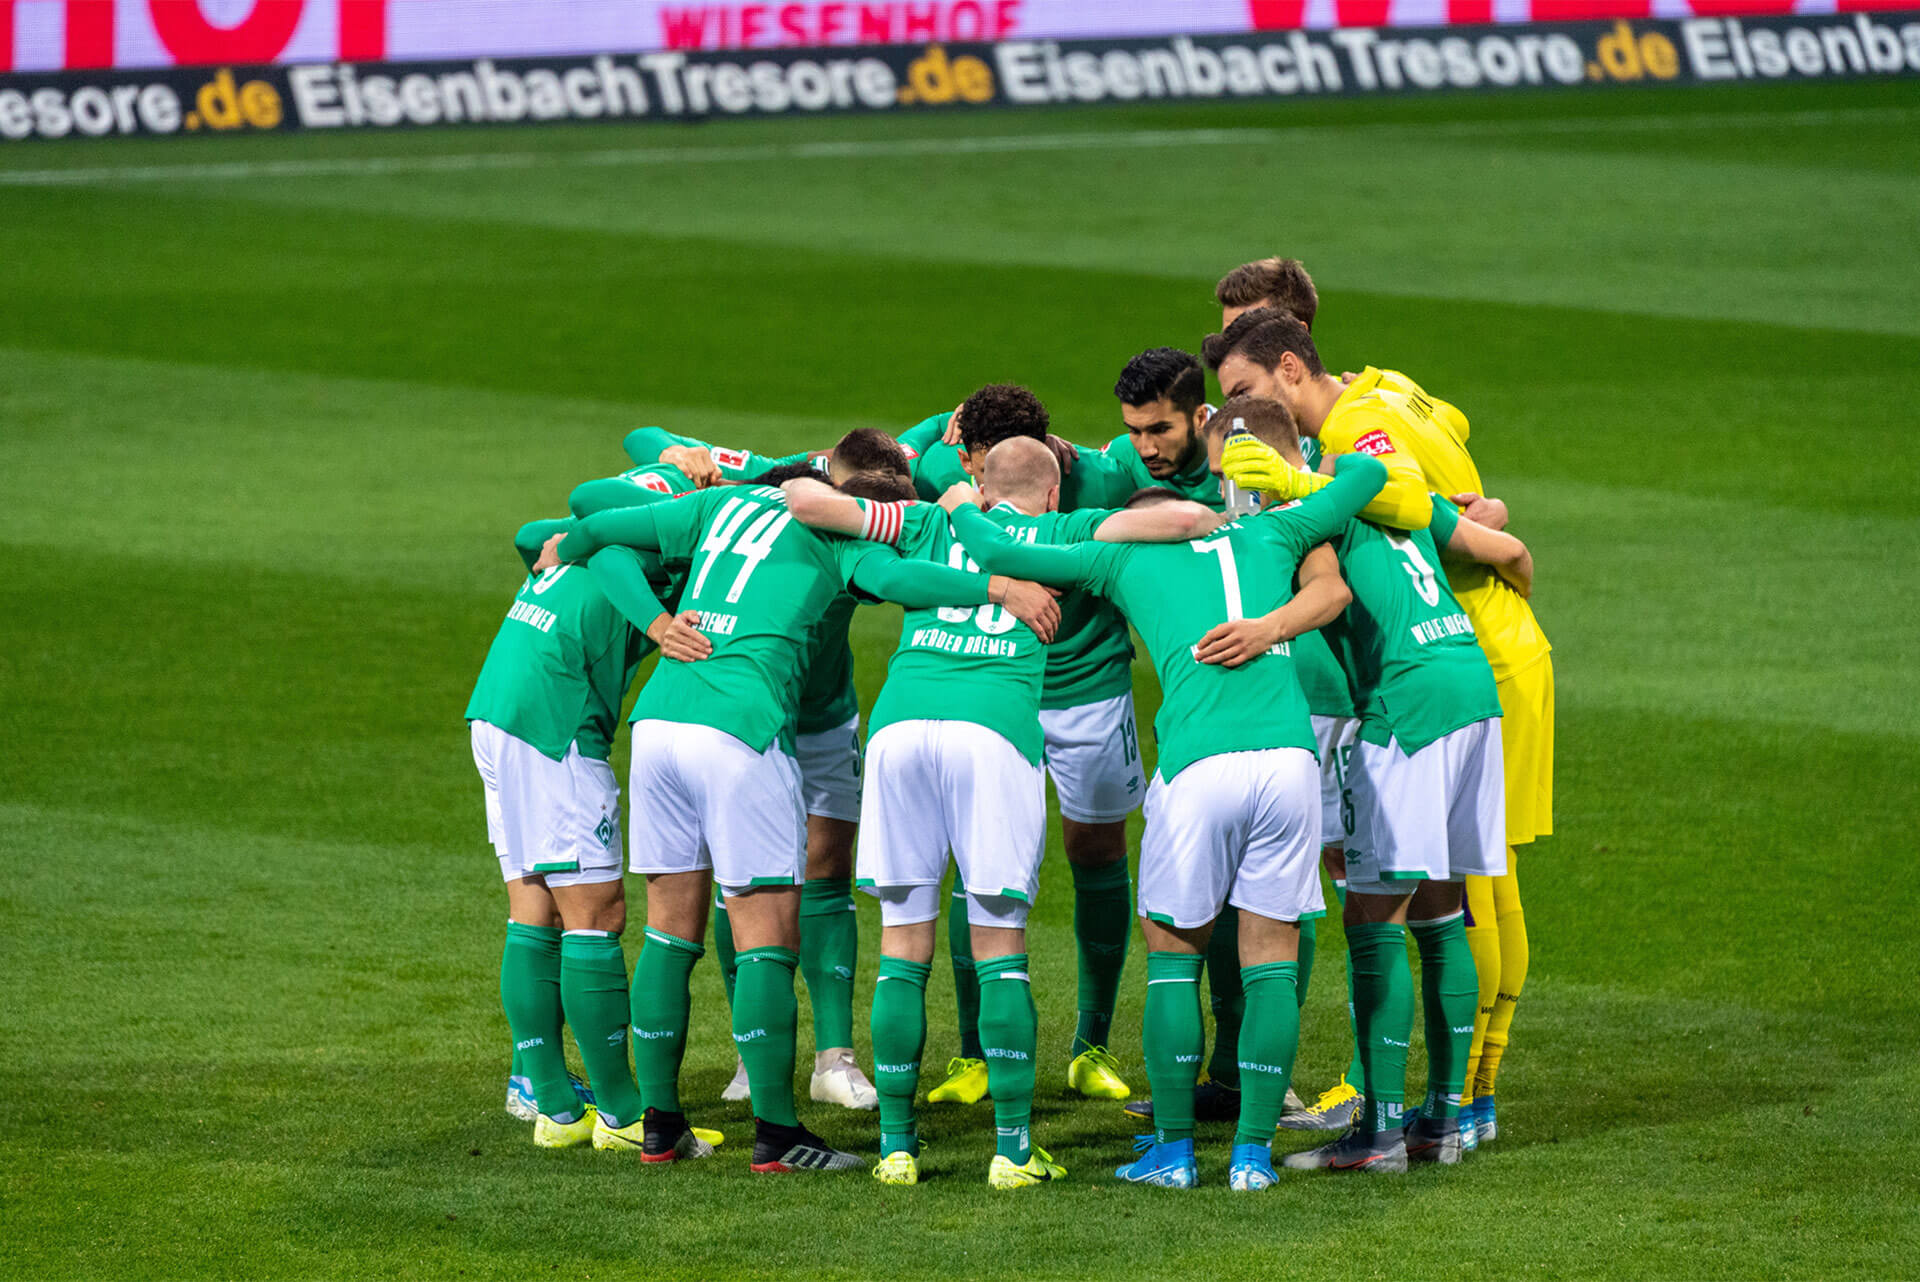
(1268, 351)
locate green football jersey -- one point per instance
(644, 446)
(977, 664)
(565, 654)
(758, 580)
(634, 486)
(1416, 669)
(1091, 657)
(1322, 679)
(1174, 593)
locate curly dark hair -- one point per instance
(1271, 282)
(999, 411)
(1163, 371)
(1263, 335)
(868, 449)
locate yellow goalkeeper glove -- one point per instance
(1252, 464)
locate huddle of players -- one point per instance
(1357, 711)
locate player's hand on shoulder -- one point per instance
(696, 461)
(1235, 642)
(959, 494)
(1065, 451)
(549, 554)
(678, 639)
(1491, 513)
(952, 435)
(1030, 603)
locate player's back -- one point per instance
(961, 663)
(1410, 650)
(1092, 653)
(757, 579)
(559, 666)
(1174, 593)
(1436, 432)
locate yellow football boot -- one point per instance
(966, 1082)
(1039, 1169)
(548, 1133)
(897, 1168)
(1095, 1073)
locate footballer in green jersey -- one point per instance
(955, 765)
(1243, 828)
(827, 750)
(542, 716)
(714, 778)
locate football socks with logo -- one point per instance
(1009, 1030)
(1511, 922)
(765, 1012)
(660, 1003)
(966, 985)
(829, 947)
(1383, 1014)
(899, 1039)
(1269, 1036)
(530, 995)
(1173, 1039)
(1483, 940)
(1102, 921)
(1448, 993)
(1225, 997)
(593, 992)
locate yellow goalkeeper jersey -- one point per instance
(1388, 415)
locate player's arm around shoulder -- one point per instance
(998, 552)
(1320, 594)
(1175, 521)
(1469, 540)
(531, 540)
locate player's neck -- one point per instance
(1316, 402)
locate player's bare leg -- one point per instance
(829, 950)
(1102, 922)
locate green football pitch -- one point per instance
(271, 409)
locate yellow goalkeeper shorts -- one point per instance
(1526, 741)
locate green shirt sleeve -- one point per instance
(1325, 512)
(671, 529)
(645, 444)
(996, 552)
(882, 573)
(1096, 480)
(533, 536)
(621, 575)
(1446, 519)
(925, 434)
(1081, 525)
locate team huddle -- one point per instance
(1352, 681)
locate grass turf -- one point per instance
(263, 439)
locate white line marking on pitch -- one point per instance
(858, 149)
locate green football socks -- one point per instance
(593, 991)
(1009, 1030)
(1450, 994)
(530, 995)
(1383, 1018)
(1224, 995)
(1102, 919)
(723, 950)
(660, 1003)
(829, 948)
(1269, 1036)
(966, 984)
(1309, 934)
(899, 1038)
(765, 1012)
(1354, 1076)
(1173, 1040)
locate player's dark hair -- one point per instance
(868, 449)
(789, 472)
(1262, 416)
(1263, 336)
(998, 412)
(1271, 282)
(881, 486)
(1163, 371)
(1148, 495)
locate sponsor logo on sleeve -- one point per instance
(729, 458)
(1374, 443)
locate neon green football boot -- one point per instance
(966, 1082)
(1095, 1073)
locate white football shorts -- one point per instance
(1238, 828)
(830, 771)
(1335, 737)
(558, 820)
(1093, 754)
(935, 786)
(1438, 815)
(703, 799)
